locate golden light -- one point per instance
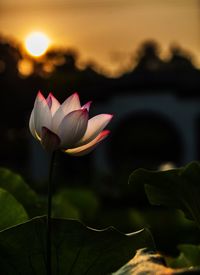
(36, 43)
(25, 67)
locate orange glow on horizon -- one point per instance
(109, 39)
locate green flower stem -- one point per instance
(50, 189)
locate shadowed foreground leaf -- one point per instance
(189, 256)
(77, 249)
(15, 185)
(178, 188)
(151, 263)
(11, 211)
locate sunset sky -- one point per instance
(106, 31)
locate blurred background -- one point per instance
(137, 59)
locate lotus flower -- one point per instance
(67, 126)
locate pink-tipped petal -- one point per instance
(40, 96)
(49, 101)
(42, 114)
(53, 103)
(95, 125)
(87, 106)
(71, 104)
(72, 128)
(87, 148)
(49, 140)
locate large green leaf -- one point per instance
(11, 211)
(178, 188)
(77, 249)
(189, 256)
(75, 203)
(64, 209)
(15, 185)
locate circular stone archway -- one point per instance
(144, 139)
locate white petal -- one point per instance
(87, 148)
(49, 101)
(42, 114)
(95, 125)
(72, 128)
(72, 103)
(53, 103)
(57, 118)
(32, 125)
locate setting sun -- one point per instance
(36, 43)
